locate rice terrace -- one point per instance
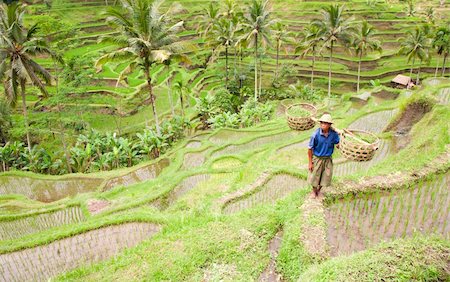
(226, 140)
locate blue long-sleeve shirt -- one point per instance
(323, 146)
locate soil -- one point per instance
(270, 273)
(411, 115)
(95, 206)
(313, 236)
(383, 94)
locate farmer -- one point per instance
(320, 149)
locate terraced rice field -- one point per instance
(139, 175)
(47, 190)
(276, 188)
(258, 142)
(226, 205)
(43, 262)
(33, 224)
(181, 189)
(364, 221)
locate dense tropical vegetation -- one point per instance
(147, 37)
(153, 140)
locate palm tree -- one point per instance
(168, 58)
(312, 39)
(230, 9)
(364, 42)
(224, 34)
(146, 35)
(411, 9)
(415, 46)
(281, 35)
(17, 67)
(258, 25)
(430, 15)
(207, 21)
(441, 42)
(180, 85)
(335, 28)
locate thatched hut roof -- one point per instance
(402, 79)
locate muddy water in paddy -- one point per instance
(279, 186)
(181, 189)
(359, 223)
(374, 122)
(194, 144)
(140, 175)
(298, 145)
(193, 160)
(43, 262)
(226, 136)
(45, 190)
(270, 273)
(234, 149)
(33, 224)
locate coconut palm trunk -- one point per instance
(443, 64)
(412, 66)
(359, 71)
(25, 113)
(278, 56)
(437, 67)
(226, 66)
(152, 98)
(256, 67)
(312, 68)
(418, 73)
(61, 129)
(329, 71)
(260, 75)
(169, 92)
(182, 103)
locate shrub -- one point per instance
(226, 119)
(94, 150)
(305, 92)
(253, 112)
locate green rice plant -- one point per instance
(298, 111)
(393, 212)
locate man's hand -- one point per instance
(310, 167)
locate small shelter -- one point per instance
(402, 81)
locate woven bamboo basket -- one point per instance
(301, 123)
(357, 150)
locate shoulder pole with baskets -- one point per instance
(356, 149)
(301, 123)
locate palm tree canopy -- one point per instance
(208, 19)
(311, 39)
(281, 34)
(147, 35)
(441, 40)
(334, 26)
(363, 40)
(225, 32)
(258, 22)
(415, 45)
(17, 48)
